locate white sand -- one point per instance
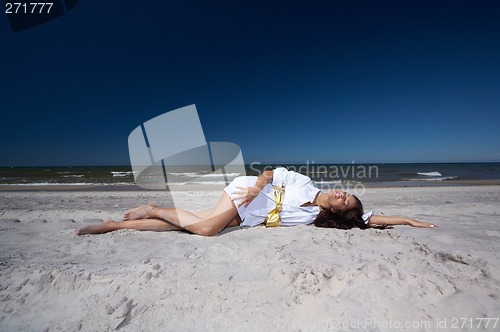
(285, 279)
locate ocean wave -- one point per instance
(209, 175)
(435, 173)
(73, 176)
(188, 174)
(122, 173)
(210, 183)
(434, 179)
(66, 184)
(47, 184)
(220, 183)
(327, 182)
(323, 183)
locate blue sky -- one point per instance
(288, 81)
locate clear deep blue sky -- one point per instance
(288, 81)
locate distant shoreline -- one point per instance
(210, 187)
(325, 177)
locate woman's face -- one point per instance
(340, 200)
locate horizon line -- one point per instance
(274, 164)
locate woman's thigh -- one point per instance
(223, 215)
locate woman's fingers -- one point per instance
(241, 190)
(245, 201)
(423, 224)
(246, 194)
(241, 193)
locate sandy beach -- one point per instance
(299, 278)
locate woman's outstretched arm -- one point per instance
(391, 221)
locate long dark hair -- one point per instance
(348, 219)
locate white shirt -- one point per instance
(299, 190)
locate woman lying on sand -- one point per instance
(278, 197)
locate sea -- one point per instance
(323, 175)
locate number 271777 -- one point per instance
(28, 7)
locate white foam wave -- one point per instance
(209, 175)
(226, 174)
(210, 183)
(188, 174)
(435, 179)
(65, 184)
(122, 173)
(73, 176)
(220, 183)
(328, 182)
(48, 184)
(435, 173)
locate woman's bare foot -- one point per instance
(141, 212)
(104, 227)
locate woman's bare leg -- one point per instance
(208, 223)
(109, 225)
(144, 211)
(146, 217)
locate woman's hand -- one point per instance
(246, 194)
(416, 223)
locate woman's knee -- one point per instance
(204, 229)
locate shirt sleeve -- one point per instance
(284, 177)
(280, 176)
(366, 217)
